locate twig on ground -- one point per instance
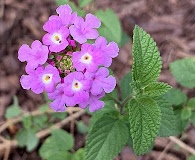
(18, 119)
(7, 147)
(182, 145)
(71, 123)
(34, 113)
(58, 125)
(161, 156)
(7, 150)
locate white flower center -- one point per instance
(47, 78)
(76, 85)
(56, 38)
(86, 58)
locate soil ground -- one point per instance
(170, 22)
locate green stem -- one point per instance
(115, 100)
(121, 110)
(126, 100)
(121, 104)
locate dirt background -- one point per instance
(170, 22)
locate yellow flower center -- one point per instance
(86, 58)
(46, 78)
(76, 85)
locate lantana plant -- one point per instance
(71, 65)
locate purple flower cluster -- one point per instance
(72, 71)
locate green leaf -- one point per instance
(110, 28)
(61, 2)
(40, 121)
(192, 118)
(102, 113)
(105, 31)
(175, 97)
(181, 124)
(44, 107)
(125, 86)
(59, 141)
(59, 115)
(81, 127)
(186, 113)
(64, 140)
(145, 117)
(124, 39)
(46, 98)
(79, 155)
(183, 71)
(106, 138)
(168, 125)
(108, 96)
(27, 121)
(156, 88)
(191, 103)
(192, 157)
(61, 155)
(79, 11)
(13, 110)
(83, 3)
(146, 58)
(27, 137)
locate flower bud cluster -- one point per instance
(72, 71)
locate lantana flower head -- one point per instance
(70, 70)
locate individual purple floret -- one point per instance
(83, 30)
(36, 55)
(77, 87)
(60, 100)
(109, 51)
(101, 81)
(56, 39)
(41, 79)
(64, 19)
(52, 24)
(88, 58)
(65, 14)
(93, 103)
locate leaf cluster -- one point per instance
(143, 112)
